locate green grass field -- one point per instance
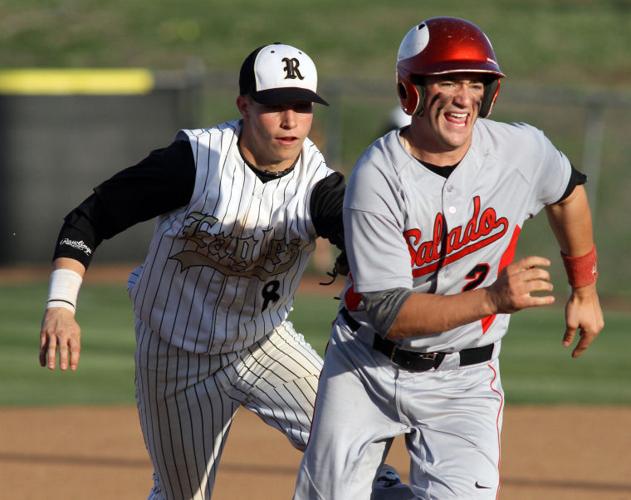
(535, 367)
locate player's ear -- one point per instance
(243, 104)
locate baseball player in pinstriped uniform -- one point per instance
(432, 214)
(238, 209)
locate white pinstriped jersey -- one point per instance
(222, 271)
(407, 227)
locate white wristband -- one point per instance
(64, 289)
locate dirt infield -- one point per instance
(97, 453)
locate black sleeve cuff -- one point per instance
(576, 179)
(78, 237)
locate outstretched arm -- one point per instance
(161, 182)
(571, 223)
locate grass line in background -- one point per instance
(536, 369)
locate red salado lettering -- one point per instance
(481, 230)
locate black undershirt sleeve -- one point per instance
(576, 178)
(327, 199)
(162, 182)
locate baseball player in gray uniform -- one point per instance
(239, 207)
(432, 215)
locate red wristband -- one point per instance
(582, 270)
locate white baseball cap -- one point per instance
(278, 74)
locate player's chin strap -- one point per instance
(339, 267)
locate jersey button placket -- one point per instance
(449, 210)
(449, 199)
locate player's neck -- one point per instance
(261, 164)
(427, 152)
(267, 169)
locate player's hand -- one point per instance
(512, 290)
(583, 314)
(61, 334)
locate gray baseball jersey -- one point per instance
(222, 271)
(409, 227)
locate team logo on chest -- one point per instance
(445, 246)
(234, 255)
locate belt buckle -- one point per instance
(423, 355)
(428, 355)
(427, 358)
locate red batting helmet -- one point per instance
(443, 45)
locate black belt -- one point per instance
(419, 361)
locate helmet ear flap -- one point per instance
(491, 91)
(408, 96)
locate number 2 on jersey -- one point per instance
(476, 276)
